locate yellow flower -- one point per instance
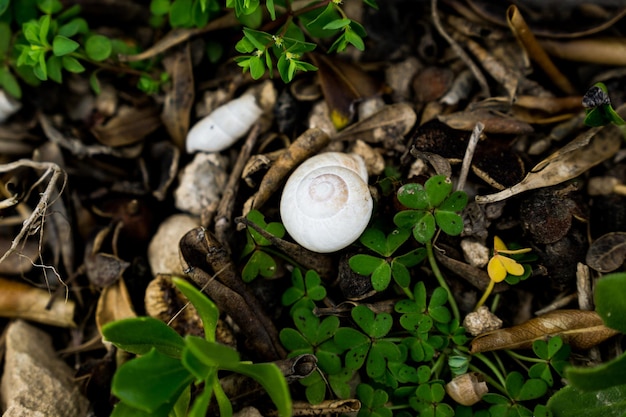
(499, 266)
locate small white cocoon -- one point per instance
(224, 125)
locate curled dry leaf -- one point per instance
(584, 152)
(304, 408)
(607, 253)
(494, 123)
(392, 121)
(129, 126)
(578, 328)
(114, 304)
(19, 300)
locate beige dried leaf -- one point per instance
(584, 152)
(580, 329)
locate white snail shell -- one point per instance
(326, 203)
(467, 389)
(224, 125)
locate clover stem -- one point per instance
(485, 295)
(523, 357)
(438, 366)
(441, 280)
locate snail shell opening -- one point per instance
(326, 209)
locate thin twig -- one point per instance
(469, 155)
(459, 51)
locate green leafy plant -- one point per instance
(158, 380)
(257, 248)
(382, 268)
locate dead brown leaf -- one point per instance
(580, 329)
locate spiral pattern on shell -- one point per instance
(327, 207)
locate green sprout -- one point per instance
(598, 109)
(260, 261)
(383, 268)
(159, 378)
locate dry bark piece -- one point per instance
(607, 253)
(306, 145)
(209, 266)
(179, 99)
(494, 123)
(578, 328)
(584, 152)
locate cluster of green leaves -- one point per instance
(40, 40)
(158, 381)
(257, 248)
(403, 365)
(287, 45)
(430, 206)
(385, 265)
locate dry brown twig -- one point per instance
(35, 220)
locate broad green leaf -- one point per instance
(54, 67)
(610, 301)
(437, 188)
(541, 371)
(374, 325)
(44, 28)
(180, 13)
(207, 310)
(269, 4)
(272, 380)
(406, 219)
(71, 64)
(603, 376)
(159, 7)
(424, 229)
(412, 258)
(150, 381)
(9, 83)
(365, 264)
(413, 196)
(347, 337)
(375, 240)
(139, 335)
(195, 366)
(450, 222)
(571, 402)
(401, 274)
(5, 35)
(260, 263)
(49, 6)
(257, 67)
(532, 389)
(381, 277)
(354, 39)
(293, 340)
(98, 47)
(337, 24)
(212, 353)
(73, 27)
(4, 5)
(455, 202)
(124, 410)
(315, 21)
(63, 46)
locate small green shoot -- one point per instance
(305, 290)
(598, 109)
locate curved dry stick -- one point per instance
(459, 51)
(50, 169)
